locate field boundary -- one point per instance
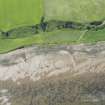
(43, 26)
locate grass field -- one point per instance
(15, 13)
(75, 10)
(53, 38)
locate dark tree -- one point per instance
(43, 24)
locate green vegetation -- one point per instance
(15, 13)
(20, 18)
(74, 10)
(55, 37)
(11, 44)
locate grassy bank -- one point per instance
(55, 37)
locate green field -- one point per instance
(20, 13)
(75, 10)
(53, 38)
(15, 13)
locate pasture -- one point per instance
(21, 13)
(16, 13)
(75, 10)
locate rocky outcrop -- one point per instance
(35, 62)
